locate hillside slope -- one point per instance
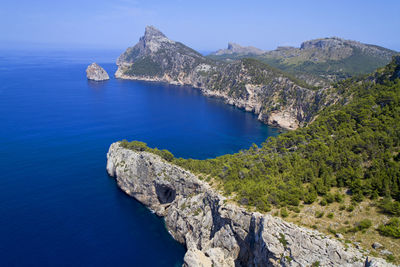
(322, 61)
(276, 97)
(340, 174)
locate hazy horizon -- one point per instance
(206, 27)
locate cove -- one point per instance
(57, 204)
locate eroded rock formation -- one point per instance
(216, 232)
(96, 73)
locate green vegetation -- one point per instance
(256, 69)
(392, 228)
(360, 226)
(390, 207)
(357, 63)
(141, 146)
(144, 66)
(302, 65)
(283, 240)
(353, 145)
(284, 213)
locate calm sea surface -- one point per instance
(58, 207)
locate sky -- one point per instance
(203, 25)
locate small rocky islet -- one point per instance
(96, 73)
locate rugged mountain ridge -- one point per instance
(215, 232)
(237, 49)
(322, 61)
(277, 98)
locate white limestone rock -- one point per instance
(96, 73)
(217, 233)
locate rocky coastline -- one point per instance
(247, 84)
(217, 232)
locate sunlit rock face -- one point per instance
(96, 73)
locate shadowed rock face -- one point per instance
(275, 97)
(96, 73)
(215, 232)
(165, 193)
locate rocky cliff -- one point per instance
(215, 232)
(277, 98)
(96, 73)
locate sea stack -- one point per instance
(96, 73)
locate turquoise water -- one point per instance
(58, 207)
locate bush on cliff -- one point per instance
(141, 146)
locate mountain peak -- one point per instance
(234, 48)
(152, 31)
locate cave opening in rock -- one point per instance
(165, 194)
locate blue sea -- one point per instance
(58, 207)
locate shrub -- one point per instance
(361, 226)
(329, 198)
(294, 209)
(319, 214)
(134, 145)
(350, 208)
(392, 228)
(284, 213)
(141, 146)
(165, 154)
(323, 202)
(338, 197)
(364, 224)
(283, 240)
(389, 207)
(310, 197)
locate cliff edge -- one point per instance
(215, 232)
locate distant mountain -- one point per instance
(322, 61)
(235, 49)
(276, 97)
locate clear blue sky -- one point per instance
(203, 25)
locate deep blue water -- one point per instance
(58, 207)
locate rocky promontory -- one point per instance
(96, 73)
(277, 98)
(219, 233)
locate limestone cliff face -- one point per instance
(96, 73)
(217, 233)
(248, 84)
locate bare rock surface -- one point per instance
(217, 233)
(96, 73)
